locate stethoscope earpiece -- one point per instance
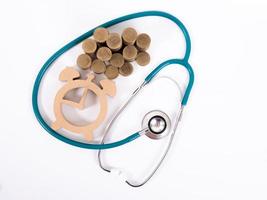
(156, 124)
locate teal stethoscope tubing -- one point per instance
(49, 62)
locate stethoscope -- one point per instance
(156, 124)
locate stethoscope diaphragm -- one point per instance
(157, 124)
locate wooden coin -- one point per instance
(129, 53)
(142, 58)
(117, 60)
(98, 66)
(129, 36)
(104, 54)
(101, 35)
(126, 69)
(89, 46)
(143, 41)
(114, 41)
(84, 61)
(111, 72)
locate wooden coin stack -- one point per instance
(112, 53)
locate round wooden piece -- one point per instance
(101, 35)
(117, 60)
(129, 53)
(142, 58)
(111, 72)
(114, 41)
(84, 61)
(98, 66)
(89, 46)
(129, 36)
(143, 41)
(104, 54)
(126, 69)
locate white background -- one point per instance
(220, 151)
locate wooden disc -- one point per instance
(143, 41)
(111, 72)
(142, 58)
(129, 53)
(98, 66)
(126, 69)
(89, 46)
(101, 35)
(84, 61)
(104, 54)
(129, 36)
(114, 41)
(117, 60)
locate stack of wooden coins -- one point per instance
(112, 53)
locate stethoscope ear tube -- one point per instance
(182, 63)
(143, 132)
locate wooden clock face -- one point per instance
(71, 76)
(90, 103)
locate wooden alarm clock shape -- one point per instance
(71, 76)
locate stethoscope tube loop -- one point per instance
(55, 56)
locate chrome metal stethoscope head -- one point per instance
(157, 124)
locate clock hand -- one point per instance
(81, 104)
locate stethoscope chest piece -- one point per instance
(157, 124)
